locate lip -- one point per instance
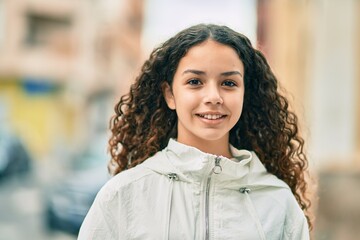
(210, 113)
(211, 117)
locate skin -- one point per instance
(207, 94)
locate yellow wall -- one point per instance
(41, 120)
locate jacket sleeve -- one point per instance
(101, 221)
(298, 229)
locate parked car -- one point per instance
(14, 157)
(68, 201)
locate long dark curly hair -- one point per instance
(143, 123)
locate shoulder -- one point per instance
(130, 180)
(279, 198)
(284, 198)
(281, 206)
(115, 206)
(123, 181)
(295, 222)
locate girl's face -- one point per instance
(207, 93)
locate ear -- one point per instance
(168, 95)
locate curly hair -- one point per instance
(143, 123)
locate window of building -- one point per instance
(42, 29)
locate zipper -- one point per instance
(216, 169)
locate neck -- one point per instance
(216, 147)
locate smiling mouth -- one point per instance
(211, 116)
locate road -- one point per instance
(21, 210)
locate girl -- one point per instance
(203, 147)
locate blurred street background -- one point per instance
(64, 64)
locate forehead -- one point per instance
(211, 54)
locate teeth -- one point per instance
(211, 116)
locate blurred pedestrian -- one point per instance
(203, 147)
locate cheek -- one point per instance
(237, 107)
(186, 100)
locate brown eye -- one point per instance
(194, 82)
(228, 83)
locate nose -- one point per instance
(213, 95)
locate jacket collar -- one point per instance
(195, 163)
(192, 165)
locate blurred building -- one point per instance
(314, 49)
(64, 63)
(61, 65)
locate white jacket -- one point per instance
(183, 193)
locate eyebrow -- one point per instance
(198, 72)
(231, 73)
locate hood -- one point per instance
(193, 165)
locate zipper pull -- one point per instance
(244, 190)
(173, 176)
(217, 168)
